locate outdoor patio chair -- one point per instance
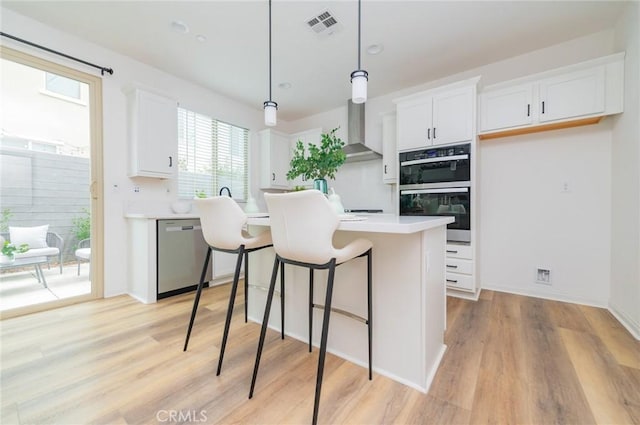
(83, 253)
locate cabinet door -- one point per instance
(389, 149)
(154, 135)
(453, 116)
(572, 95)
(414, 125)
(275, 151)
(505, 108)
(310, 136)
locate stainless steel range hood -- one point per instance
(356, 147)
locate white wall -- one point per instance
(154, 194)
(625, 238)
(568, 233)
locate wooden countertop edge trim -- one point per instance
(538, 128)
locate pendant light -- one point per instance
(270, 107)
(359, 77)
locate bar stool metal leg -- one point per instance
(246, 286)
(282, 300)
(310, 307)
(197, 299)
(265, 322)
(232, 299)
(369, 309)
(323, 340)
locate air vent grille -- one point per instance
(324, 23)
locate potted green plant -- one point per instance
(318, 162)
(9, 250)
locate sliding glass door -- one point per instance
(50, 201)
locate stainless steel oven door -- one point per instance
(440, 165)
(441, 201)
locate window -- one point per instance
(62, 85)
(211, 154)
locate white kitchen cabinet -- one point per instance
(436, 117)
(275, 151)
(572, 95)
(576, 95)
(309, 136)
(459, 267)
(505, 108)
(153, 135)
(389, 149)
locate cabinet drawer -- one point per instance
(457, 265)
(459, 251)
(460, 281)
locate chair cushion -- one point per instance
(84, 253)
(38, 252)
(35, 237)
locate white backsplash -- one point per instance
(360, 186)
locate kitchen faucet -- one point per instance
(223, 188)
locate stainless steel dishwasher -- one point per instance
(181, 251)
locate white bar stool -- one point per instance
(222, 222)
(302, 228)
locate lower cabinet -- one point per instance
(460, 267)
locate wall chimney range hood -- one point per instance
(356, 147)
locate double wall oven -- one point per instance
(437, 181)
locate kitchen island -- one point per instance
(408, 296)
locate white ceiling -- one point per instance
(423, 40)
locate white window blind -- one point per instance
(211, 154)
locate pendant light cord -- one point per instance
(269, 50)
(358, 33)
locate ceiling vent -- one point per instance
(324, 24)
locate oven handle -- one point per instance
(443, 190)
(436, 159)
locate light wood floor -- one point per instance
(511, 360)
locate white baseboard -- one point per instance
(555, 296)
(473, 296)
(625, 320)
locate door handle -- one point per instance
(543, 106)
(273, 177)
(170, 162)
(434, 133)
(528, 109)
(429, 133)
(385, 168)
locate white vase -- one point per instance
(5, 259)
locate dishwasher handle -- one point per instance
(182, 228)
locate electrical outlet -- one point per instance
(543, 276)
(566, 187)
(136, 189)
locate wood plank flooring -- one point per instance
(511, 360)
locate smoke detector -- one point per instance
(324, 24)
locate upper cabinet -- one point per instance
(275, 151)
(389, 151)
(575, 95)
(153, 134)
(436, 117)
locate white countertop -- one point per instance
(162, 216)
(381, 223)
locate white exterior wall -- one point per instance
(625, 235)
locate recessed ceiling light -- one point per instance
(375, 49)
(285, 85)
(179, 26)
(201, 38)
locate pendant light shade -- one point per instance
(270, 107)
(270, 111)
(359, 77)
